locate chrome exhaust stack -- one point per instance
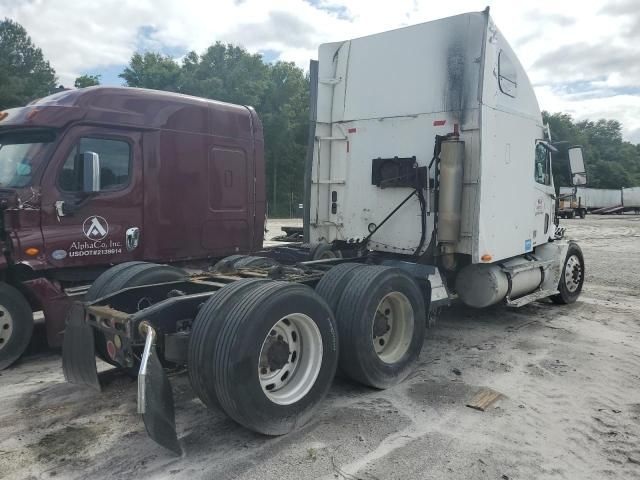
(450, 198)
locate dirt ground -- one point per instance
(570, 377)
(274, 226)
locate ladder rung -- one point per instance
(329, 182)
(330, 139)
(330, 81)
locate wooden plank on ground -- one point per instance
(484, 398)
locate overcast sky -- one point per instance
(583, 57)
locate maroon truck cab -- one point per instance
(99, 176)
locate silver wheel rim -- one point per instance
(573, 273)
(290, 359)
(6, 326)
(393, 325)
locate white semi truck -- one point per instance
(429, 167)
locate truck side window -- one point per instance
(542, 170)
(115, 164)
(507, 75)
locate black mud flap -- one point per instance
(155, 398)
(78, 350)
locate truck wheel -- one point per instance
(258, 262)
(132, 274)
(16, 324)
(128, 274)
(572, 277)
(275, 357)
(333, 284)
(381, 318)
(233, 262)
(205, 331)
(97, 286)
(323, 251)
(227, 263)
(583, 214)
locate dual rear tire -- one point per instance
(126, 275)
(266, 352)
(132, 274)
(380, 313)
(233, 262)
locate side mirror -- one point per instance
(576, 164)
(90, 172)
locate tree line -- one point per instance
(610, 161)
(280, 94)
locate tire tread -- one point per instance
(204, 333)
(352, 306)
(333, 284)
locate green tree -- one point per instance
(285, 117)
(226, 72)
(24, 73)
(87, 81)
(152, 70)
(611, 162)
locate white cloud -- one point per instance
(624, 108)
(583, 56)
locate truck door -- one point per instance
(544, 196)
(94, 228)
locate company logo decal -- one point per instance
(95, 228)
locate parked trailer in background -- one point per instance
(428, 157)
(631, 199)
(599, 200)
(602, 198)
(570, 205)
(595, 198)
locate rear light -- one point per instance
(111, 350)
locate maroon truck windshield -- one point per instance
(21, 153)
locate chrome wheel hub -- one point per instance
(573, 273)
(393, 326)
(290, 359)
(6, 326)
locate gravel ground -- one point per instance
(569, 376)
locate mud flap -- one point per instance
(155, 398)
(78, 350)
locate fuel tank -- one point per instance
(481, 285)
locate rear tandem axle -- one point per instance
(258, 341)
